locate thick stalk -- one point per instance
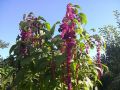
(68, 68)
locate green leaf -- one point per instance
(47, 25)
(73, 64)
(76, 21)
(12, 49)
(99, 82)
(76, 11)
(77, 6)
(53, 27)
(86, 88)
(79, 31)
(41, 18)
(83, 18)
(105, 67)
(25, 28)
(87, 36)
(23, 25)
(82, 45)
(104, 45)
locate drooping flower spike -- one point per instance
(30, 33)
(68, 35)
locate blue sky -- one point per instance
(99, 13)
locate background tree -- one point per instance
(111, 34)
(2, 46)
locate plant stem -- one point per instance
(68, 68)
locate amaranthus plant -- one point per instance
(43, 60)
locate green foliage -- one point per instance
(83, 18)
(111, 35)
(117, 17)
(47, 25)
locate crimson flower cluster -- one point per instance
(30, 34)
(25, 35)
(68, 34)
